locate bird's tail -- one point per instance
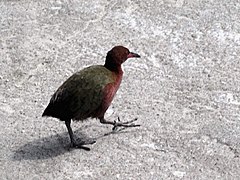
(54, 110)
(47, 111)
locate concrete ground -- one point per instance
(184, 90)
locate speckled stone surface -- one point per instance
(184, 90)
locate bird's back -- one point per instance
(80, 96)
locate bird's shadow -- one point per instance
(51, 146)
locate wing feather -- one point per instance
(81, 95)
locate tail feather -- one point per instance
(47, 111)
(57, 111)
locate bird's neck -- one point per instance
(116, 68)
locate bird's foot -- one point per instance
(124, 124)
(120, 126)
(80, 145)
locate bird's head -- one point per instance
(118, 55)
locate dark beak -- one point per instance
(132, 55)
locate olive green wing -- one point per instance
(82, 94)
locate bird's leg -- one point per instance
(73, 142)
(119, 124)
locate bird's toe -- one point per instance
(81, 145)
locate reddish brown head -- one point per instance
(117, 56)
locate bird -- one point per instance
(89, 92)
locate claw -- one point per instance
(124, 124)
(77, 146)
(114, 128)
(81, 145)
(119, 123)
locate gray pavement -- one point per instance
(185, 90)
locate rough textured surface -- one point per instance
(185, 90)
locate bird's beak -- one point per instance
(132, 55)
